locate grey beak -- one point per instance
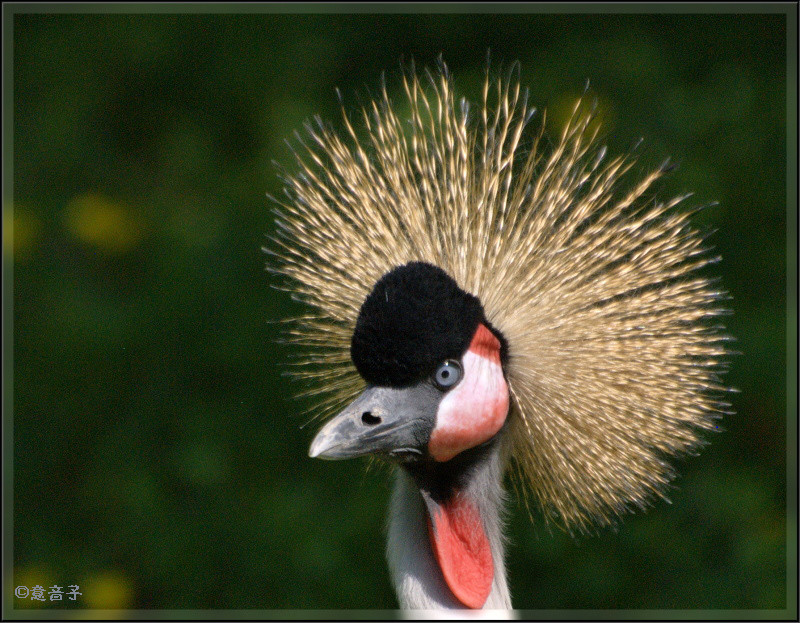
(382, 420)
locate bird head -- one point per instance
(433, 368)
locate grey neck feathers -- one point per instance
(416, 575)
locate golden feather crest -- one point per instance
(613, 361)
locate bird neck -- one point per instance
(415, 570)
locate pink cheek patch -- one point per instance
(474, 411)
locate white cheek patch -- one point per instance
(475, 410)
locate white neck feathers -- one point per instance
(416, 575)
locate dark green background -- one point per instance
(159, 460)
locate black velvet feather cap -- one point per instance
(415, 318)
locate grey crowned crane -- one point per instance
(480, 303)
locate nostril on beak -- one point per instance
(369, 419)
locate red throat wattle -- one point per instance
(462, 550)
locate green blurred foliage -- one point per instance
(159, 459)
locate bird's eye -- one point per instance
(447, 374)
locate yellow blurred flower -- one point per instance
(104, 223)
(563, 110)
(20, 232)
(107, 590)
